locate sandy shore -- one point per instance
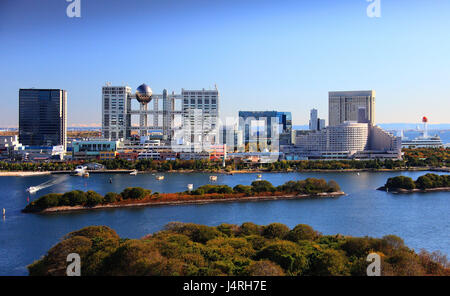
(193, 201)
(22, 174)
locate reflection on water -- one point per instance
(420, 219)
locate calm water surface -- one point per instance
(422, 220)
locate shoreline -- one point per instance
(184, 202)
(125, 171)
(417, 190)
(24, 173)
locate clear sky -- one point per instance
(263, 55)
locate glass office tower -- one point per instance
(43, 117)
(260, 125)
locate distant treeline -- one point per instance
(232, 250)
(92, 198)
(412, 158)
(427, 181)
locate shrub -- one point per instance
(135, 193)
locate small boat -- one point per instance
(79, 171)
(32, 189)
(213, 178)
(4, 212)
(85, 175)
(159, 177)
(110, 180)
(134, 173)
(259, 176)
(357, 174)
(190, 187)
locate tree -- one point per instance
(264, 268)
(302, 232)
(329, 262)
(135, 193)
(111, 197)
(247, 190)
(262, 186)
(423, 182)
(287, 255)
(400, 182)
(93, 198)
(275, 230)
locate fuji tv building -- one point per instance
(186, 119)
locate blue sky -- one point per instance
(263, 55)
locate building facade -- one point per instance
(43, 117)
(195, 122)
(315, 123)
(116, 107)
(200, 117)
(231, 136)
(95, 149)
(358, 106)
(265, 129)
(348, 140)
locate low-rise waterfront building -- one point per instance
(95, 149)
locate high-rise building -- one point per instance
(313, 120)
(200, 116)
(321, 124)
(358, 106)
(232, 137)
(266, 127)
(315, 123)
(43, 117)
(116, 118)
(194, 122)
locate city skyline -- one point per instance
(289, 56)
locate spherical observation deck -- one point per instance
(144, 94)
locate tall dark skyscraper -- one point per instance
(43, 117)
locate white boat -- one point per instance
(159, 177)
(32, 189)
(85, 175)
(79, 170)
(134, 173)
(213, 178)
(190, 187)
